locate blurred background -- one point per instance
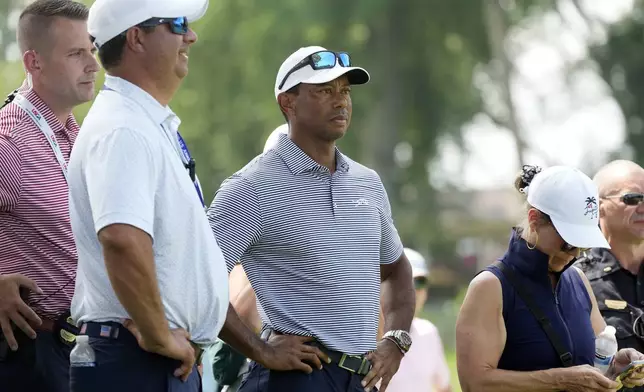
(463, 93)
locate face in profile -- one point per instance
(550, 242)
(68, 65)
(168, 49)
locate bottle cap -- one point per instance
(610, 330)
(82, 339)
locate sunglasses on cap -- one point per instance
(324, 59)
(630, 199)
(177, 25)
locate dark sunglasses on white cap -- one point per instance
(178, 25)
(324, 59)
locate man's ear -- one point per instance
(31, 62)
(287, 103)
(135, 39)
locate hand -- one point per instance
(14, 309)
(587, 379)
(385, 362)
(289, 352)
(176, 347)
(622, 359)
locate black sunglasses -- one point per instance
(178, 25)
(630, 199)
(324, 59)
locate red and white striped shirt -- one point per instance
(35, 231)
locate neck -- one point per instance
(629, 254)
(160, 92)
(321, 151)
(61, 110)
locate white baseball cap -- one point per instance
(275, 136)
(109, 18)
(418, 263)
(571, 200)
(308, 75)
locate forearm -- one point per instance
(236, 334)
(496, 380)
(132, 273)
(398, 299)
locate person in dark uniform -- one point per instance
(616, 275)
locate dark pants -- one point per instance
(38, 365)
(330, 379)
(121, 365)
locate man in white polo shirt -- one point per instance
(151, 288)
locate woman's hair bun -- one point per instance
(525, 177)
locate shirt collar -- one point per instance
(299, 162)
(160, 114)
(47, 113)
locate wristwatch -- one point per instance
(401, 338)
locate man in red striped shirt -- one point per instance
(37, 250)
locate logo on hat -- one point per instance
(591, 207)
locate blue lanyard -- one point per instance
(191, 166)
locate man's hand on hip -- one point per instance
(385, 362)
(289, 352)
(176, 347)
(14, 309)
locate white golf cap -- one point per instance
(418, 263)
(571, 200)
(275, 136)
(308, 75)
(109, 18)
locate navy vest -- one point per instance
(568, 307)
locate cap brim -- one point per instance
(581, 236)
(356, 75)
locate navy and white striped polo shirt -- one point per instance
(311, 243)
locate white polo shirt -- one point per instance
(126, 168)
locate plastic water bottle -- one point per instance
(83, 354)
(605, 348)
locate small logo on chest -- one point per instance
(360, 202)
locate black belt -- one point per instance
(113, 330)
(357, 364)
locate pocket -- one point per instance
(192, 384)
(621, 319)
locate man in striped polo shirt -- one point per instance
(314, 233)
(37, 252)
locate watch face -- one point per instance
(404, 338)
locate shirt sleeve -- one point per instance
(121, 175)
(391, 247)
(10, 174)
(235, 218)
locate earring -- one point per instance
(535, 243)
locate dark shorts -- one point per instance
(38, 365)
(122, 366)
(330, 379)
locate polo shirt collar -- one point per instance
(160, 114)
(44, 109)
(299, 162)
